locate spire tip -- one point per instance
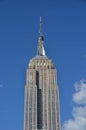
(40, 26)
(40, 19)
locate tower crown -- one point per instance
(41, 50)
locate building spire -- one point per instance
(41, 50)
(40, 31)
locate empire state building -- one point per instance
(41, 111)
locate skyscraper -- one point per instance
(41, 110)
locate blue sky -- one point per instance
(64, 30)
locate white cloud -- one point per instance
(79, 96)
(78, 122)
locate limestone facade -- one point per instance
(41, 96)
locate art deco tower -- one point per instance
(41, 92)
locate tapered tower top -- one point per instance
(40, 51)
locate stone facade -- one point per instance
(41, 110)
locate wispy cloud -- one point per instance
(1, 85)
(78, 122)
(84, 55)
